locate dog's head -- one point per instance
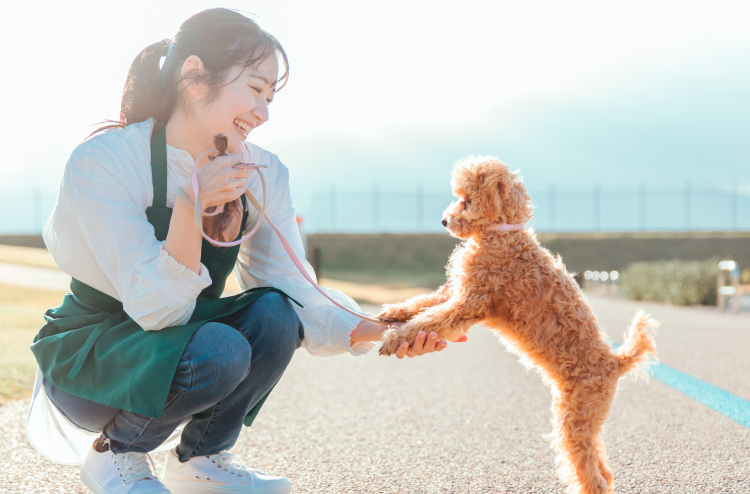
(488, 194)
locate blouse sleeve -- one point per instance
(99, 197)
(263, 261)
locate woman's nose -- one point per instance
(261, 111)
(445, 222)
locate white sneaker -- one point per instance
(219, 473)
(123, 473)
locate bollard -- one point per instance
(316, 263)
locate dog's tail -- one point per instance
(639, 342)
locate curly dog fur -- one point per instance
(508, 282)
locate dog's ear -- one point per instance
(519, 208)
(494, 186)
(510, 201)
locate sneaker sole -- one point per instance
(281, 486)
(91, 483)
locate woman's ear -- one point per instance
(191, 73)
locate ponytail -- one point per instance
(142, 96)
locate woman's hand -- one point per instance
(370, 331)
(220, 181)
(423, 344)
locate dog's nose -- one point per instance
(445, 222)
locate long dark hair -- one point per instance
(221, 38)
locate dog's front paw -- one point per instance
(394, 313)
(392, 340)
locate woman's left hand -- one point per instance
(423, 344)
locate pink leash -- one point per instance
(262, 210)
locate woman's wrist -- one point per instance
(187, 189)
(181, 196)
(367, 331)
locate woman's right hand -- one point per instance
(220, 181)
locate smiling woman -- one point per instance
(144, 353)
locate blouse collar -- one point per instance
(180, 158)
(184, 161)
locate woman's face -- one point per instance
(241, 105)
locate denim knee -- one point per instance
(216, 356)
(272, 326)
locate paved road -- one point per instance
(473, 420)
(34, 277)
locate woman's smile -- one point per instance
(243, 127)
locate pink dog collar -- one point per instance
(505, 227)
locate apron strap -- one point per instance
(159, 165)
(158, 214)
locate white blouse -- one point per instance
(99, 234)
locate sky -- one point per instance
(392, 93)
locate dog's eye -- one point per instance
(468, 201)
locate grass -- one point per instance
(21, 316)
(28, 256)
(674, 282)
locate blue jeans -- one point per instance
(227, 368)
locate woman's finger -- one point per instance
(429, 345)
(441, 345)
(401, 352)
(416, 348)
(241, 173)
(228, 160)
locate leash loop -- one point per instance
(262, 210)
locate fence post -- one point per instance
(420, 208)
(597, 208)
(333, 208)
(733, 206)
(375, 207)
(552, 207)
(642, 206)
(687, 206)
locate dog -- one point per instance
(502, 277)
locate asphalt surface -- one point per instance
(472, 419)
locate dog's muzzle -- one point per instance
(445, 222)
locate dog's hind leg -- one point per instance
(601, 451)
(578, 421)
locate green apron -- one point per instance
(91, 348)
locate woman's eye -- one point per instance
(257, 90)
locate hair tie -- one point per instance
(167, 42)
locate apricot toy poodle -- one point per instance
(500, 276)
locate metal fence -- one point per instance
(593, 209)
(417, 210)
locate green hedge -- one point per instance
(674, 282)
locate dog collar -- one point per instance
(505, 227)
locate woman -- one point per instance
(143, 353)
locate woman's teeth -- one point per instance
(243, 126)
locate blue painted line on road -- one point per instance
(722, 401)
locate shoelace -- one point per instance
(227, 461)
(134, 466)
